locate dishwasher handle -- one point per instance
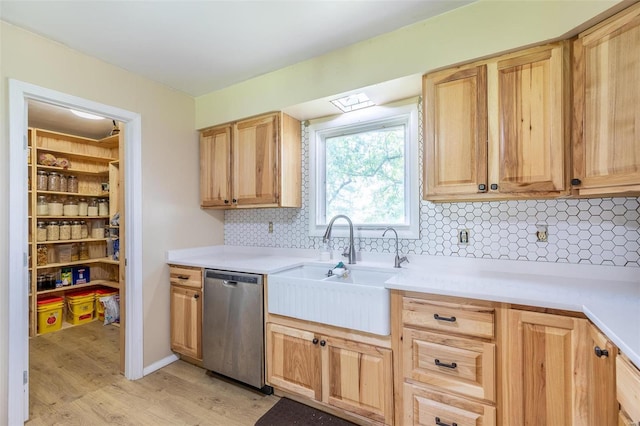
(229, 283)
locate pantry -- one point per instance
(75, 220)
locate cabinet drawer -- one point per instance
(426, 407)
(628, 387)
(185, 276)
(457, 364)
(469, 320)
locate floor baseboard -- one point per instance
(159, 364)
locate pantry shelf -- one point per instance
(77, 262)
(74, 171)
(72, 155)
(73, 194)
(83, 240)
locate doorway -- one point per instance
(20, 94)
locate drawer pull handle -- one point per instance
(448, 319)
(183, 277)
(600, 353)
(441, 364)
(439, 423)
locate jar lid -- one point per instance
(75, 222)
(42, 223)
(53, 223)
(42, 172)
(65, 223)
(42, 197)
(70, 201)
(53, 174)
(73, 177)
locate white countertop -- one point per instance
(609, 296)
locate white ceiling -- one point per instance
(201, 46)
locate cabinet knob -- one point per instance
(439, 423)
(315, 341)
(196, 296)
(226, 201)
(575, 182)
(322, 343)
(482, 187)
(494, 186)
(234, 201)
(447, 319)
(601, 353)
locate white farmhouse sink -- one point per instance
(359, 301)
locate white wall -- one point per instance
(170, 198)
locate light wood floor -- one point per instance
(75, 381)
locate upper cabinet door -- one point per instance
(533, 132)
(215, 167)
(455, 131)
(256, 161)
(607, 112)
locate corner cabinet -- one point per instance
(186, 311)
(347, 374)
(499, 128)
(252, 163)
(606, 135)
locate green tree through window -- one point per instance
(365, 175)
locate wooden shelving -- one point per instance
(95, 164)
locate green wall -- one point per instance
(480, 29)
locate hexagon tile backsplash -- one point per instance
(599, 231)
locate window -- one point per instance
(365, 165)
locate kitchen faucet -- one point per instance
(399, 260)
(349, 251)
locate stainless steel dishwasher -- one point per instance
(233, 327)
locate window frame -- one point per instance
(403, 112)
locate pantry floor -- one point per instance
(75, 381)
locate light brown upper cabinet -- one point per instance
(499, 128)
(251, 163)
(606, 129)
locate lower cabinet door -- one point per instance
(186, 321)
(358, 378)
(426, 407)
(293, 361)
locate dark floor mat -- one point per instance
(287, 412)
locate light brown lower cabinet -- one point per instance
(186, 311)
(349, 375)
(628, 391)
(428, 407)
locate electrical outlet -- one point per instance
(542, 234)
(271, 227)
(463, 236)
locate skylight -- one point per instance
(353, 102)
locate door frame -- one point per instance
(18, 314)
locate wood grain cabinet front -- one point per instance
(606, 135)
(186, 311)
(499, 128)
(628, 390)
(252, 163)
(349, 375)
(545, 368)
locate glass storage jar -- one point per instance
(83, 251)
(42, 255)
(74, 252)
(84, 229)
(42, 206)
(42, 180)
(65, 230)
(63, 183)
(103, 207)
(41, 233)
(53, 231)
(70, 207)
(97, 229)
(53, 182)
(83, 207)
(41, 280)
(76, 230)
(92, 209)
(55, 206)
(72, 184)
